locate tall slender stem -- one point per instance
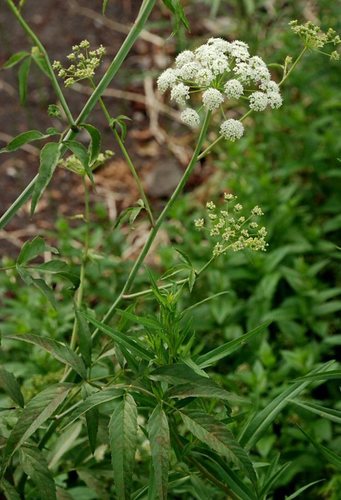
(293, 65)
(145, 10)
(159, 222)
(42, 49)
(80, 291)
(128, 159)
(136, 177)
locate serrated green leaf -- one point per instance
(205, 388)
(258, 425)
(93, 401)
(30, 250)
(158, 433)
(63, 443)
(37, 411)
(95, 143)
(9, 384)
(35, 466)
(301, 490)
(224, 350)
(81, 153)
(123, 441)
(9, 490)
(328, 454)
(21, 139)
(318, 377)
(39, 283)
(92, 419)
(148, 322)
(217, 466)
(274, 476)
(84, 338)
(122, 340)
(15, 59)
(219, 438)
(178, 373)
(49, 157)
(23, 73)
(58, 350)
(321, 411)
(41, 63)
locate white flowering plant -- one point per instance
(133, 387)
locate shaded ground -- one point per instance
(159, 155)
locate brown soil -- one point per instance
(158, 144)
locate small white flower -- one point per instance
(220, 44)
(180, 93)
(212, 99)
(269, 86)
(274, 99)
(190, 117)
(189, 71)
(239, 50)
(228, 197)
(257, 211)
(166, 80)
(233, 89)
(231, 129)
(199, 223)
(219, 64)
(204, 76)
(184, 57)
(244, 72)
(258, 101)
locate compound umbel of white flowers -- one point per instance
(219, 71)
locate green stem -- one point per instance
(299, 57)
(136, 177)
(218, 139)
(158, 223)
(80, 291)
(127, 158)
(145, 10)
(42, 49)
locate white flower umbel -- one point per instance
(183, 58)
(233, 89)
(258, 101)
(232, 129)
(231, 227)
(212, 99)
(167, 80)
(274, 99)
(180, 93)
(190, 117)
(218, 71)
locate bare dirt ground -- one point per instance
(157, 142)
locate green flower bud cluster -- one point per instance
(84, 63)
(314, 38)
(73, 164)
(232, 227)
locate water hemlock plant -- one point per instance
(134, 409)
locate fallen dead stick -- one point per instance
(114, 25)
(129, 96)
